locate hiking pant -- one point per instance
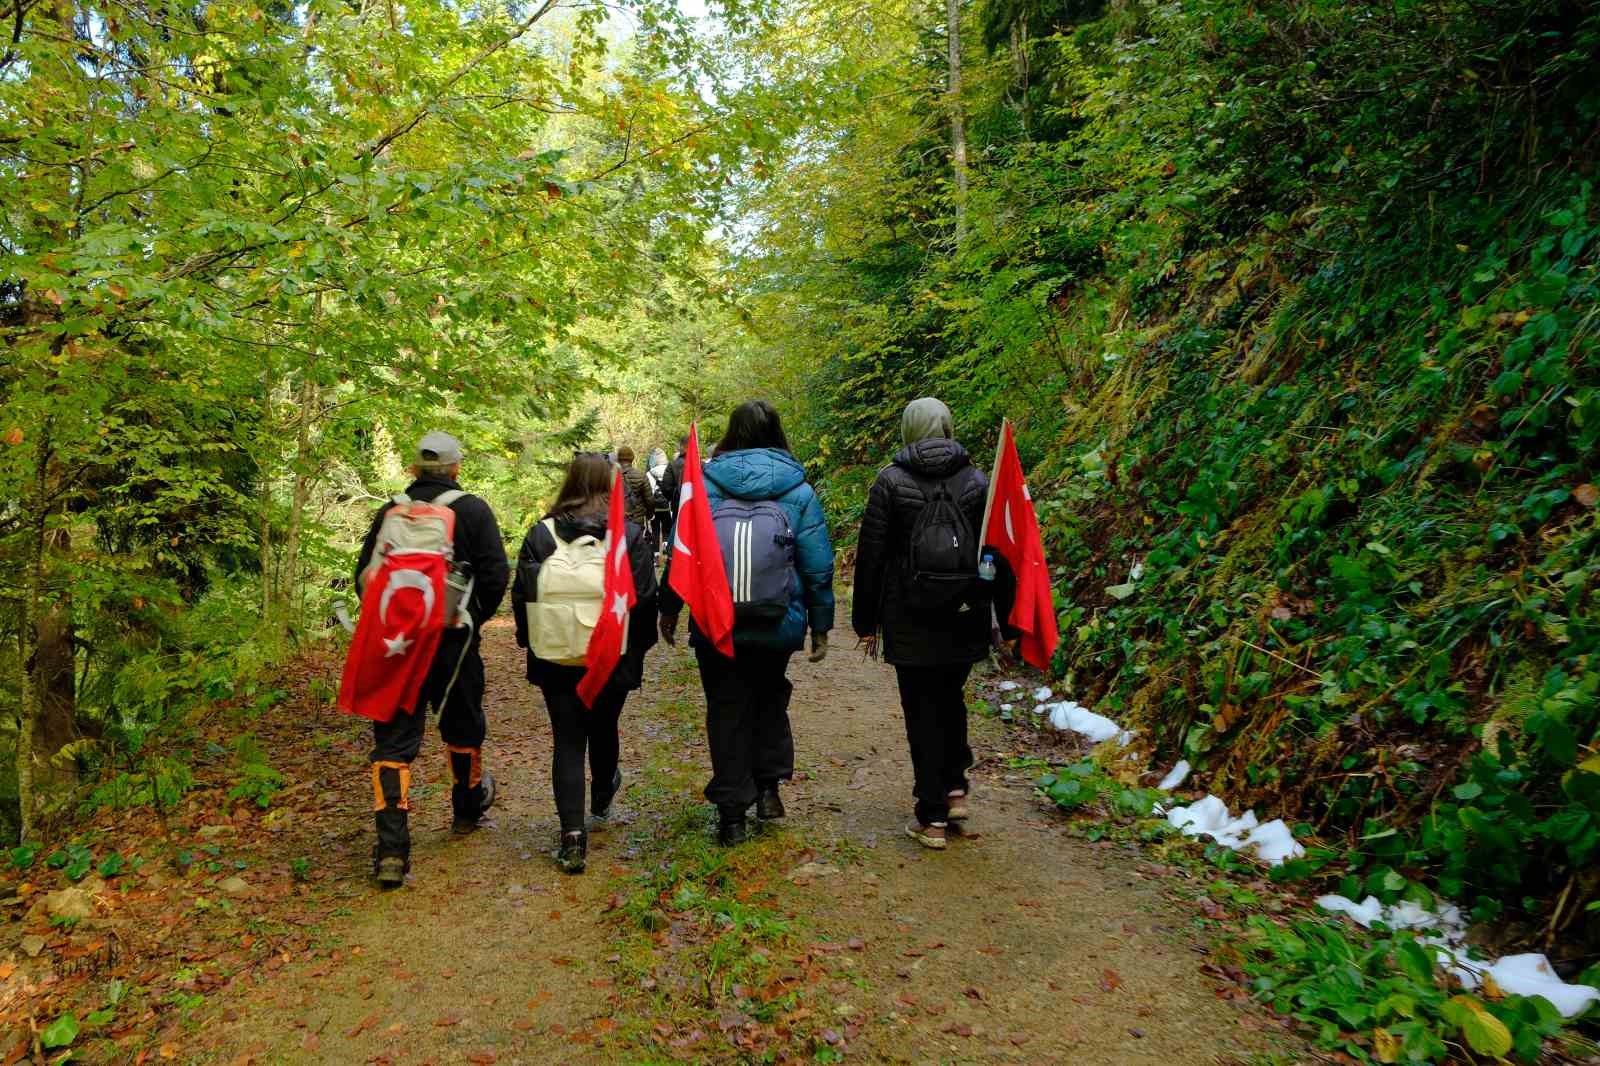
(935, 706)
(462, 726)
(747, 724)
(575, 728)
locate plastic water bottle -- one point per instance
(986, 567)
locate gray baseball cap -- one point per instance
(439, 447)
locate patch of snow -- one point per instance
(1523, 975)
(1137, 572)
(1175, 776)
(1532, 975)
(1008, 686)
(1006, 706)
(1070, 716)
(1209, 817)
(1041, 694)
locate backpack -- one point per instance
(758, 551)
(415, 527)
(569, 595)
(942, 558)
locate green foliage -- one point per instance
(1084, 784)
(1297, 323)
(161, 784)
(73, 860)
(61, 1032)
(1380, 998)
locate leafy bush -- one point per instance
(1380, 998)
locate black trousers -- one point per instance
(936, 726)
(576, 728)
(462, 724)
(747, 723)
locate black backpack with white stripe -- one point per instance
(758, 551)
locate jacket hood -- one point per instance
(569, 526)
(934, 457)
(755, 473)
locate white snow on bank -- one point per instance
(1007, 707)
(1175, 777)
(1272, 841)
(1522, 975)
(1097, 727)
(1445, 929)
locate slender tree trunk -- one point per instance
(32, 592)
(1021, 65)
(958, 118)
(289, 572)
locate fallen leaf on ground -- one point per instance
(1110, 980)
(360, 1027)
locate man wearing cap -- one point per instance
(454, 685)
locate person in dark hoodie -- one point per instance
(931, 636)
(747, 697)
(455, 681)
(580, 511)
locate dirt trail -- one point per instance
(1018, 944)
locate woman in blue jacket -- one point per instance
(747, 697)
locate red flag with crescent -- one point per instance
(694, 568)
(402, 618)
(610, 634)
(1011, 528)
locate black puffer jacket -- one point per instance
(538, 546)
(914, 636)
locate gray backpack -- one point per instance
(758, 551)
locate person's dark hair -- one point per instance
(587, 487)
(753, 424)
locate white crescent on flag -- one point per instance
(619, 558)
(406, 579)
(684, 497)
(1011, 534)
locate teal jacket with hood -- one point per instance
(772, 474)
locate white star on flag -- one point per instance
(619, 605)
(397, 645)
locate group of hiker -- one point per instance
(920, 589)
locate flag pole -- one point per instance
(994, 469)
(988, 508)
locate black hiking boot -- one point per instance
(461, 825)
(390, 871)
(573, 852)
(732, 828)
(602, 811)
(769, 805)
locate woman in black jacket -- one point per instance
(580, 510)
(932, 647)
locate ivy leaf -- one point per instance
(61, 1032)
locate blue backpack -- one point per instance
(758, 551)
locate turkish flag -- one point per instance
(610, 634)
(694, 567)
(402, 617)
(1011, 528)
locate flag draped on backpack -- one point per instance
(695, 568)
(1011, 528)
(402, 618)
(610, 634)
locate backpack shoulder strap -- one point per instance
(550, 525)
(448, 496)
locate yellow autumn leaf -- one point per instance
(1385, 1046)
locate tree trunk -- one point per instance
(289, 572)
(31, 594)
(958, 119)
(1020, 62)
